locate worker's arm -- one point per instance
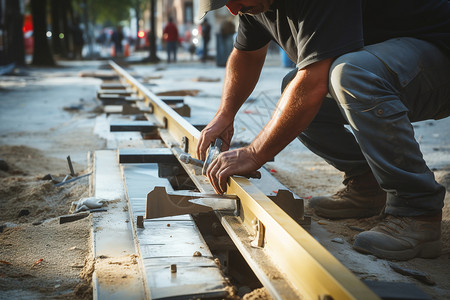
(241, 75)
(295, 110)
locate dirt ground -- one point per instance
(38, 253)
(40, 126)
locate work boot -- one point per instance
(402, 238)
(361, 198)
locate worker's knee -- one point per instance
(359, 79)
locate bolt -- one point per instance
(173, 268)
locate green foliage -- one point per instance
(111, 11)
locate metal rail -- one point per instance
(298, 264)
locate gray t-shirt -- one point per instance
(313, 30)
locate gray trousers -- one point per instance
(378, 91)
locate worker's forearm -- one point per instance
(296, 109)
(242, 74)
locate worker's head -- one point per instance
(252, 7)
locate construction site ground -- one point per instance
(48, 114)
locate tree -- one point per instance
(13, 51)
(111, 11)
(42, 54)
(61, 12)
(152, 57)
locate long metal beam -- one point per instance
(180, 129)
(309, 269)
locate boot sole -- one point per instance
(351, 213)
(425, 250)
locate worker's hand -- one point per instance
(218, 128)
(242, 161)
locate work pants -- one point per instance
(378, 91)
(172, 51)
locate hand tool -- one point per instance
(213, 152)
(187, 159)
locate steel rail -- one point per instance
(178, 127)
(305, 264)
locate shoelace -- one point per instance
(346, 189)
(393, 224)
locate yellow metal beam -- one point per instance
(309, 267)
(173, 122)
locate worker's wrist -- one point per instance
(225, 116)
(257, 156)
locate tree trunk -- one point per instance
(14, 44)
(65, 11)
(57, 45)
(152, 55)
(137, 12)
(42, 54)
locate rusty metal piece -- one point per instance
(69, 161)
(173, 268)
(140, 221)
(73, 217)
(197, 254)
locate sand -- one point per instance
(40, 257)
(46, 115)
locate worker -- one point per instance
(170, 36)
(206, 36)
(374, 65)
(117, 38)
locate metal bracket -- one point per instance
(295, 208)
(162, 204)
(151, 107)
(140, 221)
(260, 229)
(185, 144)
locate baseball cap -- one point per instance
(207, 5)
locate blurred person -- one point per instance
(170, 36)
(206, 36)
(225, 40)
(117, 38)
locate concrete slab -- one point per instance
(112, 235)
(170, 241)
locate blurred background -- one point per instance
(41, 32)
